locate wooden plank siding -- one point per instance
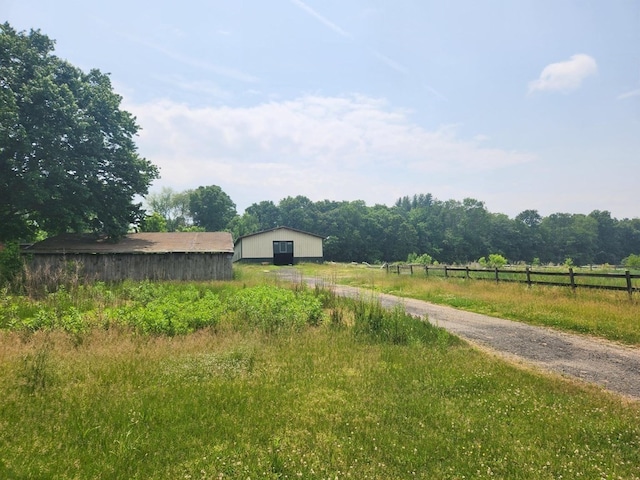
(111, 267)
(137, 256)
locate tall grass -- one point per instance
(350, 390)
(603, 313)
(319, 403)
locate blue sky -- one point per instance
(531, 104)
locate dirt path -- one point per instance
(612, 366)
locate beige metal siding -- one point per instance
(261, 245)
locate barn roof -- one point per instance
(150, 242)
(279, 228)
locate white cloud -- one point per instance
(322, 19)
(565, 76)
(632, 93)
(199, 63)
(340, 148)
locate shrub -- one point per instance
(168, 309)
(632, 261)
(424, 259)
(495, 261)
(11, 263)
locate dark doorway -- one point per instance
(283, 252)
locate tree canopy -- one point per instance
(211, 208)
(419, 227)
(68, 161)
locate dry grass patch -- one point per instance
(604, 313)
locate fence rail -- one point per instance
(614, 281)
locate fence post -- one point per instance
(467, 272)
(387, 267)
(446, 274)
(572, 279)
(497, 276)
(411, 269)
(528, 270)
(426, 270)
(629, 286)
(398, 268)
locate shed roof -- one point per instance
(149, 242)
(279, 228)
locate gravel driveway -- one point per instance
(612, 366)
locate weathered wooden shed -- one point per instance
(279, 246)
(139, 256)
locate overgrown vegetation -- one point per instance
(257, 379)
(632, 261)
(603, 313)
(11, 264)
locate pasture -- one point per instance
(256, 378)
(608, 314)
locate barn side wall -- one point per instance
(155, 266)
(270, 260)
(260, 246)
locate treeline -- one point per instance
(449, 231)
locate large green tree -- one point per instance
(68, 161)
(211, 208)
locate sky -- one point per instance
(524, 104)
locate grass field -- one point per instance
(355, 392)
(603, 313)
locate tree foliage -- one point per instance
(448, 231)
(153, 223)
(67, 156)
(172, 206)
(211, 208)
(11, 263)
(495, 260)
(632, 261)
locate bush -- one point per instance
(168, 309)
(632, 261)
(424, 259)
(495, 261)
(11, 263)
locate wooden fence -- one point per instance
(614, 281)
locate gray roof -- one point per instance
(151, 242)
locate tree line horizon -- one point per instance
(448, 231)
(69, 163)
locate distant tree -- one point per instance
(505, 237)
(299, 212)
(172, 206)
(571, 236)
(244, 224)
(607, 244)
(531, 218)
(346, 228)
(530, 244)
(153, 223)
(211, 208)
(67, 157)
(267, 213)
